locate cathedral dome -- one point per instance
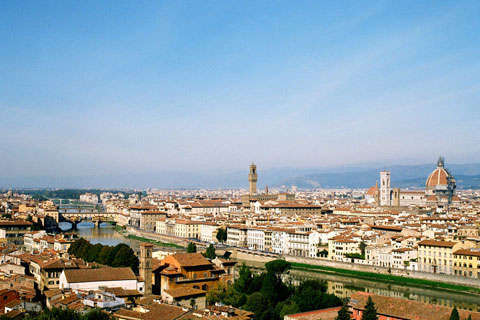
(439, 177)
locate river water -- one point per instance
(105, 234)
(341, 286)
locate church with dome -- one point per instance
(439, 190)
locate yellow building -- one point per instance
(437, 256)
(339, 246)
(466, 262)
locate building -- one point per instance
(145, 269)
(390, 308)
(14, 230)
(93, 279)
(191, 270)
(323, 314)
(437, 256)
(252, 179)
(253, 196)
(89, 198)
(339, 246)
(47, 272)
(440, 185)
(466, 262)
(237, 236)
(439, 190)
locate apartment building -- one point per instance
(207, 231)
(436, 256)
(237, 236)
(466, 262)
(339, 246)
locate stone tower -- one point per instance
(252, 179)
(146, 267)
(385, 188)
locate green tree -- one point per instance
(242, 284)
(256, 303)
(192, 248)
(96, 314)
(370, 312)
(454, 315)
(103, 255)
(362, 247)
(221, 235)
(125, 257)
(93, 252)
(311, 295)
(278, 266)
(343, 313)
(286, 308)
(210, 252)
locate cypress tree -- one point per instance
(343, 313)
(454, 315)
(370, 312)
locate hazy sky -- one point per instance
(104, 87)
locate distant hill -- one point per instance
(414, 176)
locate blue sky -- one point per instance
(107, 87)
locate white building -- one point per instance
(93, 279)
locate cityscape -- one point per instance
(240, 160)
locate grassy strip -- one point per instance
(119, 228)
(385, 278)
(155, 242)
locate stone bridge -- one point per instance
(95, 217)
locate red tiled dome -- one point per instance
(439, 176)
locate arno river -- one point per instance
(339, 285)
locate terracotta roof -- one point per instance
(101, 274)
(437, 243)
(323, 314)
(156, 311)
(407, 309)
(185, 292)
(439, 176)
(191, 259)
(475, 252)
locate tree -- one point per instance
(362, 247)
(278, 266)
(312, 295)
(343, 313)
(256, 303)
(454, 315)
(192, 248)
(370, 312)
(286, 308)
(221, 235)
(242, 284)
(210, 252)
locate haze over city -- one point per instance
(91, 89)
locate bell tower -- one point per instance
(252, 179)
(385, 188)
(146, 267)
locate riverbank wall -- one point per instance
(264, 258)
(388, 271)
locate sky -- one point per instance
(112, 87)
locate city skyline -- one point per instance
(100, 89)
